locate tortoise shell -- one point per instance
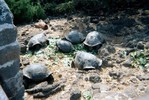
(75, 37)
(36, 72)
(84, 60)
(64, 46)
(93, 38)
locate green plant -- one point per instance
(65, 7)
(140, 58)
(25, 10)
(87, 95)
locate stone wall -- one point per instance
(10, 75)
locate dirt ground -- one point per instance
(117, 79)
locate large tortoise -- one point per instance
(84, 60)
(64, 46)
(75, 37)
(35, 73)
(93, 40)
(37, 41)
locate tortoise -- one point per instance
(93, 40)
(35, 73)
(37, 41)
(84, 60)
(75, 37)
(64, 46)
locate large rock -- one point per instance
(10, 76)
(12, 72)
(7, 31)
(3, 96)
(9, 53)
(5, 14)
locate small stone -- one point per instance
(119, 60)
(25, 61)
(107, 62)
(23, 48)
(94, 20)
(95, 78)
(133, 80)
(111, 49)
(143, 77)
(127, 63)
(75, 95)
(140, 45)
(131, 44)
(115, 75)
(128, 51)
(103, 52)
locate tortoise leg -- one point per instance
(50, 92)
(26, 82)
(50, 89)
(72, 64)
(50, 79)
(37, 88)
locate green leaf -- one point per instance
(87, 95)
(142, 61)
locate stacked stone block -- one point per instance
(10, 75)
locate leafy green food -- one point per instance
(140, 58)
(87, 95)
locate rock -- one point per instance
(103, 52)
(140, 45)
(107, 62)
(3, 96)
(94, 19)
(143, 77)
(6, 15)
(23, 48)
(25, 61)
(115, 75)
(12, 71)
(75, 95)
(131, 44)
(5, 32)
(127, 63)
(41, 24)
(127, 22)
(111, 49)
(134, 80)
(95, 78)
